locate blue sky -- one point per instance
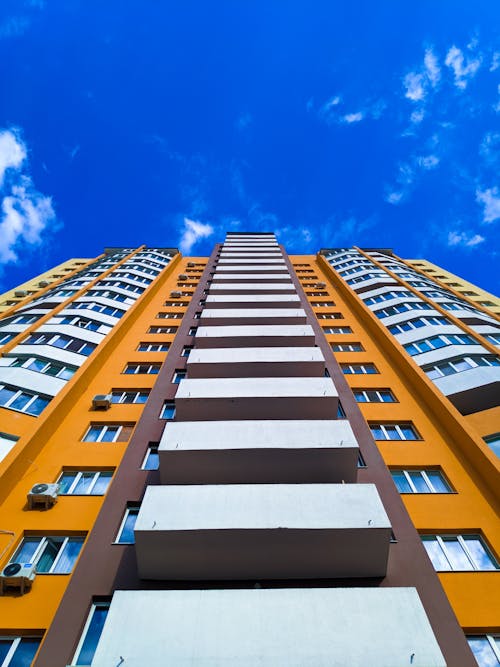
(167, 123)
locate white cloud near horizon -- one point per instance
(193, 232)
(464, 239)
(418, 82)
(463, 70)
(490, 199)
(25, 213)
(353, 117)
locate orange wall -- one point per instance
(473, 595)
(53, 441)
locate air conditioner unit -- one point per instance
(43, 283)
(182, 276)
(17, 575)
(101, 401)
(43, 494)
(175, 294)
(20, 293)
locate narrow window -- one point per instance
(126, 531)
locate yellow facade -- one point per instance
(52, 442)
(10, 300)
(449, 441)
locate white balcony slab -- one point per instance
(252, 335)
(26, 379)
(246, 362)
(426, 332)
(284, 627)
(253, 287)
(245, 260)
(473, 390)
(448, 352)
(270, 531)
(49, 352)
(239, 276)
(256, 300)
(275, 254)
(256, 398)
(253, 316)
(364, 285)
(257, 451)
(251, 268)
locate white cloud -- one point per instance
(464, 239)
(432, 69)
(193, 232)
(417, 116)
(414, 85)
(12, 151)
(463, 71)
(490, 199)
(25, 213)
(353, 117)
(490, 148)
(495, 61)
(427, 161)
(394, 197)
(306, 234)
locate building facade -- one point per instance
(250, 458)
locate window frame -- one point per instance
(423, 472)
(151, 450)
(16, 640)
(19, 392)
(398, 427)
(145, 346)
(491, 639)
(41, 546)
(123, 393)
(378, 391)
(460, 540)
(76, 481)
(363, 366)
(85, 631)
(129, 510)
(104, 427)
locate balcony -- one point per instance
(267, 335)
(255, 300)
(258, 452)
(256, 398)
(283, 316)
(268, 531)
(247, 362)
(289, 627)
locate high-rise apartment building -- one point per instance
(252, 459)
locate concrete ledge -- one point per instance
(253, 316)
(265, 452)
(271, 531)
(294, 627)
(267, 335)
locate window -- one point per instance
(358, 369)
(91, 633)
(436, 342)
(162, 330)
(493, 338)
(457, 365)
(486, 649)
(84, 483)
(458, 553)
(142, 369)
(374, 396)
(420, 481)
(179, 375)
(418, 323)
(18, 651)
(169, 315)
(126, 531)
(46, 367)
(108, 433)
(129, 396)
(168, 410)
(81, 322)
(151, 460)
(402, 308)
(153, 347)
(7, 442)
(392, 431)
(6, 337)
(361, 462)
(347, 347)
(493, 442)
(63, 342)
(323, 304)
(176, 304)
(186, 350)
(337, 330)
(51, 555)
(330, 316)
(23, 401)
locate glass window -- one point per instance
(400, 431)
(168, 410)
(152, 460)
(126, 532)
(458, 552)
(486, 649)
(18, 651)
(108, 433)
(493, 442)
(179, 375)
(51, 555)
(91, 633)
(84, 482)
